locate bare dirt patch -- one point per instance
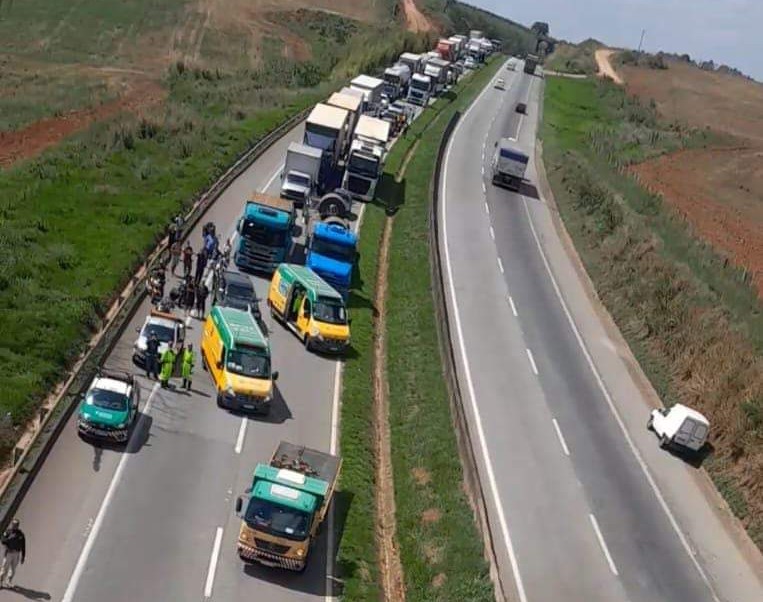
(439, 580)
(421, 476)
(704, 186)
(416, 21)
(41, 135)
(605, 65)
(430, 515)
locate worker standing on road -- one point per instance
(187, 260)
(190, 297)
(176, 250)
(152, 356)
(201, 300)
(14, 542)
(201, 265)
(187, 367)
(168, 366)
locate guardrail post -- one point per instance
(17, 453)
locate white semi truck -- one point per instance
(509, 164)
(414, 62)
(366, 158)
(299, 178)
(372, 89)
(420, 89)
(352, 104)
(396, 79)
(326, 129)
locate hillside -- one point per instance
(719, 188)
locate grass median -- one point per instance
(440, 547)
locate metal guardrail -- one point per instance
(450, 366)
(28, 461)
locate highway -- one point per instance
(157, 522)
(582, 503)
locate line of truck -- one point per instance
(339, 161)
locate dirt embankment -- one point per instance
(415, 19)
(605, 65)
(32, 140)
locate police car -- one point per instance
(169, 330)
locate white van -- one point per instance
(679, 425)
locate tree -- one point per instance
(540, 28)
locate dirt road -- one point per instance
(605, 66)
(416, 20)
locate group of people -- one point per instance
(161, 366)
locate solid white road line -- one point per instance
(603, 545)
(79, 568)
(468, 373)
(500, 264)
(335, 408)
(532, 361)
(492, 233)
(213, 563)
(513, 307)
(613, 409)
(272, 178)
(333, 449)
(561, 437)
(241, 435)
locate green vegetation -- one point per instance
(76, 222)
(693, 323)
(457, 17)
(641, 59)
(442, 559)
(574, 58)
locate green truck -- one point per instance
(283, 509)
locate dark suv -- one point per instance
(236, 290)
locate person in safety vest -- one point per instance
(187, 367)
(168, 365)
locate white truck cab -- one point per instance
(679, 425)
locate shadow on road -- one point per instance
(27, 593)
(693, 459)
(278, 414)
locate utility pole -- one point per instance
(641, 41)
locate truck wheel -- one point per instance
(220, 401)
(664, 442)
(308, 344)
(650, 423)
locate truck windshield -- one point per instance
(299, 180)
(333, 250)
(364, 165)
(417, 84)
(331, 311)
(247, 362)
(262, 235)
(108, 400)
(278, 520)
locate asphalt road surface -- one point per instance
(583, 504)
(142, 525)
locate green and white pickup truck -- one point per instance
(109, 408)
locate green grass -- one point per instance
(693, 323)
(574, 58)
(454, 546)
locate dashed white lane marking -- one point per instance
(492, 233)
(213, 563)
(498, 504)
(500, 264)
(79, 568)
(484, 188)
(561, 437)
(483, 167)
(532, 361)
(613, 409)
(487, 208)
(603, 545)
(241, 435)
(513, 307)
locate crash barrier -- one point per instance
(472, 480)
(48, 425)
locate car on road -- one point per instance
(109, 408)
(169, 330)
(500, 84)
(521, 108)
(680, 426)
(233, 289)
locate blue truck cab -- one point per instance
(331, 254)
(265, 233)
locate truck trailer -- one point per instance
(366, 158)
(326, 129)
(299, 178)
(509, 164)
(396, 79)
(372, 88)
(351, 103)
(531, 62)
(414, 62)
